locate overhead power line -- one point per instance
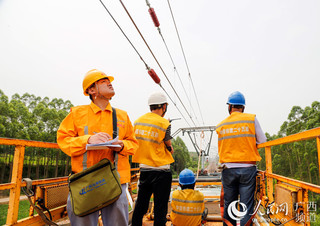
(114, 20)
(157, 25)
(148, 68)
(185, 59)
(157, 61)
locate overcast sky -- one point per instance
(268, 50)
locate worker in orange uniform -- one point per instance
(155, 156)
(238, 136)
(187, 204)
(92, 124)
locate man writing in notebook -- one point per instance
(92, 124)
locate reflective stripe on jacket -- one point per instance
(187, 207)
(150, 130)
(237, 139)
(72, 138)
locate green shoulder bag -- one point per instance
(97, 186)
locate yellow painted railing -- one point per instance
(16, 179)
(16, 183)
(269, 176)
(306, 135)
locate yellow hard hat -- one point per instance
(91, 77)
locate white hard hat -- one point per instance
(157, 98)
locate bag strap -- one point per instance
(114, 135)
(85, 155)
(29, 193)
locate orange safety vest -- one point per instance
(81, 123)
(237, 138)
(150, 130)
(187, 207)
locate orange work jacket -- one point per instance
(237, 138)
(187, 207)
(150, 130)
(72, 138)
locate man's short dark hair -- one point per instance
(238, 106)
(92, 85)
(156, 106)
(187, 186)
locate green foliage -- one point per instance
(183, 158)
(317, 221)
(32, 118)
(180, 155)
(193, 164)
(296, 160)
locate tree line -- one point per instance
(298, 160)
(31, 117)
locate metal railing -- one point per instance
(16, 181)
(16, 178)
(269, 176)
(306, 135)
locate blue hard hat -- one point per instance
(186, 177)
(236, 98)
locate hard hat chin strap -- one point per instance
(165, 110)
(100, 95)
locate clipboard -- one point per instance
(104, 145)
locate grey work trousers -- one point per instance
(115, 214)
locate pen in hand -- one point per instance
(99, 138)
